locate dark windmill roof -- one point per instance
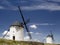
(17, 23)
(49, 35)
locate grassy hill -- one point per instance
(10, 42)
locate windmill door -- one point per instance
(13, 37)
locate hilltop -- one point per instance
(10, 42)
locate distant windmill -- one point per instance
(50, 38)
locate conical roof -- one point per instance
(17, 23)
(49, 35)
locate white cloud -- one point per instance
(36, 33)
(46, 24)
(9, 8)
(43, 24)
(45, 6)
(1, 7)
(54, 0)
(33, 26)
(29, 32)
(41, 6)
(27, 38)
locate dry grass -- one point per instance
(10, 42)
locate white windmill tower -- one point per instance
(50, 38)
(16, 31)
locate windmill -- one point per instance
(50, 38)
(24, 23)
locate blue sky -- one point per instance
(44, 14)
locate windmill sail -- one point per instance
(52, 35)
(6, 33)
(24, 23)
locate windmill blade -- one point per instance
(52, 35)
(5, 34)
(27, 21)
(24, 23)
(51, 32)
